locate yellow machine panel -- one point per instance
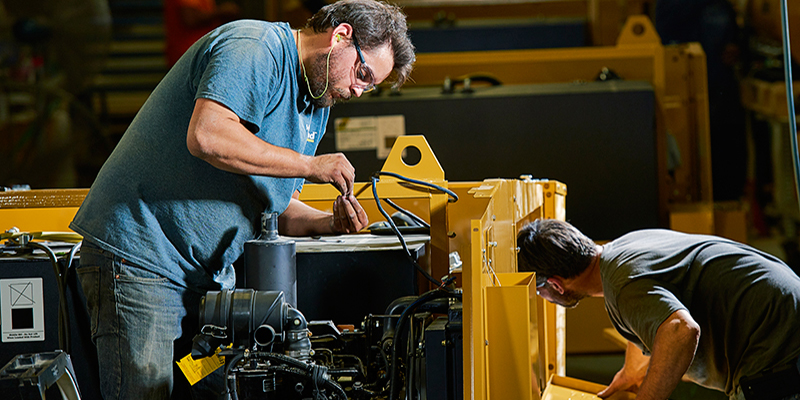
(513, 341)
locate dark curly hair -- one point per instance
(374, 24)
(551, 247)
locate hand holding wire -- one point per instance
(334, 169)
(348, 215)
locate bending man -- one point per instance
(713, 311)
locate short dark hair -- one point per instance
(374, 24)
(552, 247)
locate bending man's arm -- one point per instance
(630, 377)
(673, 351)
(217, 136)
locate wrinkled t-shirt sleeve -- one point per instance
(643, 306)
(240, 74)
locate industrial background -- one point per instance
(654, 113)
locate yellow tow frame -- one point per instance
(513, 341)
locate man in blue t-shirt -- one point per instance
(703, 308)
(229, 133)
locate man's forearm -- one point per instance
(673, 351)
(300, 219)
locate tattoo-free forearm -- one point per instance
(673, 351)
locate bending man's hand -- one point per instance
(673, 350)
(630, 377)
(348, 215)
(334, 169)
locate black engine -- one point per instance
(272, 352)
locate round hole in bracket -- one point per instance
(411, 156)
(638, 29)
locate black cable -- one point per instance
(317, 376)
(408, 214)
(310, 372)
(418, 182)
(63, 314)
(232, 388)
(411, 358)
(399, 235)
(787, 73)
(375, 178)
(433, 294)
(383, 356)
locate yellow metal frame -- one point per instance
(482, 227)
(508, 333)
(40, 210)
(604, 17)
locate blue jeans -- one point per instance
(141, 324)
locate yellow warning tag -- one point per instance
(195, 370)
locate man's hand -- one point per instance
(348, 215)
(673, 350)
(334, 169)
(630, 377)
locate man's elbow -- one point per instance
(692, 333)
(199, 145)
(685, 327)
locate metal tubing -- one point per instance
(787, 66)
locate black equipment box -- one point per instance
(444, 359)
(345, 278)
(597, 137)
(505, 34)
(346, 281)
(30, 296)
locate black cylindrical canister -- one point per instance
(270, 261)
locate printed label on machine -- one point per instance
(22, 310)
(366, 133)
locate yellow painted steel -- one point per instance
(604, 17)
(40, 210)
(768, 99)
(481, 226)
(565, 388)
(427, 203)
(492, 250)
(515, 371)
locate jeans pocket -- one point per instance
(126, 272)
(90, 283)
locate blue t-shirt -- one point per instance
(745, 301)
(156, 205)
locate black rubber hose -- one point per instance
(63, 314)
(434, 294)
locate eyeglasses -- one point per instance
(541, 280)
(363, 71)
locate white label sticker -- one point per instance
(22, 310)
(366, 133)
(390, 127)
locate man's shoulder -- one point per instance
(256, 29)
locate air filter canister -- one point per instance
(270, 261)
